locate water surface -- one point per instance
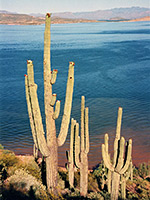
(112, 69)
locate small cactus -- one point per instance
(82, 148)
(70, 155)
(77, 156)
(120, 165)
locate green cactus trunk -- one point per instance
(84, 174)
(115, 186)
(48, 146)
(123, 187)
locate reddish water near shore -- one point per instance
(139, 153)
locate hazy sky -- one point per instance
(43, 6)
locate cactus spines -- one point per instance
(82, 150)
(49, 145)
(120, 164)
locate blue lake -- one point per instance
(112, 69)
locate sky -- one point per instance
(44, 6)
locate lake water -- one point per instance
(112, 69)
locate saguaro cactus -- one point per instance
(120, 165)
(70, 154)
(82, 148)
(48, 146)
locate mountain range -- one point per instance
(125, 13)
(112, 15)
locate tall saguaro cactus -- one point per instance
(120, 164)
(48, 146)
(82, 148)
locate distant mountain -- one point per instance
(113, 15)
(23, 19)
(7, 12)
(125, 13)
(122, 13)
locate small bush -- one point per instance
(8, 158)
(144, 170)
(26, 184)
(95, 196)
(92, 183)
(1, 146)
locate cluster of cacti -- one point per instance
(48, 146)
(120, 164)
(79, 148)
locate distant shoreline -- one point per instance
(18, 19)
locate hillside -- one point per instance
(125, 13)
(113, 15)
(23, 19)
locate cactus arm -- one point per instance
(32, 124)
(54, 76)
(36, 111)
(106, 158)
(77, 147)
(109, 181)
(82, 122)
(131, 170)
(115, 152)
(121, 153)
(53, 100)
(128, 158)
(118, 130)
(106, 138)
(71, 163)
(123, 187)
(47, 40)
(57, 110)
(86, 130)
(67, 107)
(73, 122)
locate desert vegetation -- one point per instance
(23, 178)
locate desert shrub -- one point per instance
(3, 172)
(92, 183)
(144, 170)
(64, 176)
(61, 182)
(27, 185)
(8, 158)
(1, 146)
(77, 179)
(95, 196)
(100, 173)
(29, 165)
